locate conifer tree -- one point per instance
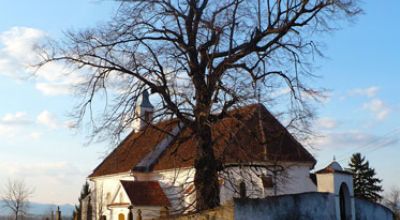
(78, 208)
(366, 184)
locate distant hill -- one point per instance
(43, 208)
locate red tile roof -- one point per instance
(132, 149)
(247, 135)
(333, 167)
(145, 193)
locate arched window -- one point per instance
(242, 189)
(121, 216)
(344, 202)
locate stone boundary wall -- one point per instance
(304, 206)
(366, 210)
(222, 213)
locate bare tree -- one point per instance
(199, 58)
(15, 196)
(392, 201)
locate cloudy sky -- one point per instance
(360, 114)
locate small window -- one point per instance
(242, 189)
(121, 216)
(147, 116)
(267, 182)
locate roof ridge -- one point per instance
(289, 134)
(141, 132)
(151, 158)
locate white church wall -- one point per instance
(178, 184)
(296, 179)
(233, 176)
(105, 189)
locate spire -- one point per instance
(143, 100)
(143, 112)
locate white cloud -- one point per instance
(352, 140)
(17, 54)
(52, 89)
(18, 118)
(319, 96)
(370, 92)
(35, 135)
(20, 124)
(326, 123)
(59, 171)
(7, 131)
(378, 108)
(63, 178)
(11, 123)
(48, 119)
(17, 51)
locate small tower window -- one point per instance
(147, 116)
(242, 189)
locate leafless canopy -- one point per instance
(392, 201)
(15, 196)
(192, 52)
(198, 57)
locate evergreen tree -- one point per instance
(366, 185)
(78, 208)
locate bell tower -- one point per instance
(334, 179)
(143, 112)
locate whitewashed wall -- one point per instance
(177, 183)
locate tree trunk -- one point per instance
(206, 176)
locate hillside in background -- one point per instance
(43, 209)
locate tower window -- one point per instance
(147, 116)
(242, 189)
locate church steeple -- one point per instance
(143, 112)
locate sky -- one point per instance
(38, 144)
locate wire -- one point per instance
(375, 140)
(373, 145)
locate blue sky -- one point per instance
(361, 72)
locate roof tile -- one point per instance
(248, 134)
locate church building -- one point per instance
(150, 174)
